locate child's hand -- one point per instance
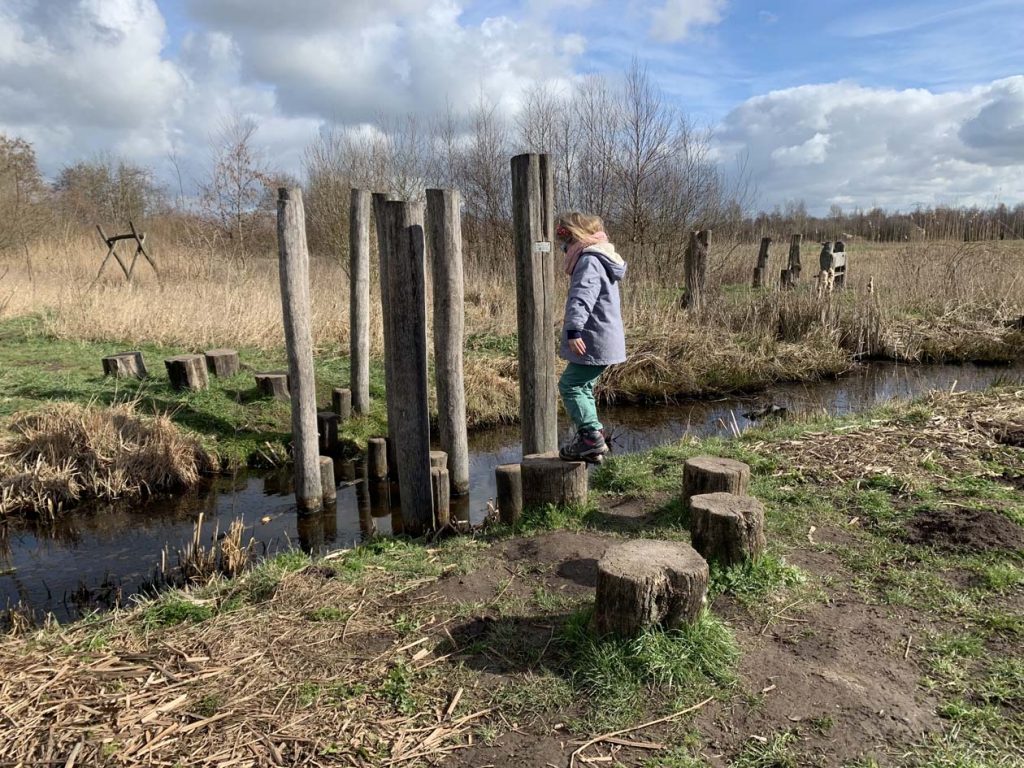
(578, 346)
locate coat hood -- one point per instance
(613, 263)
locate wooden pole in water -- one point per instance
(294, 271)
(380, 201)
(408, 397)
(696, 263)
(444, 240)
(533, 234)
(359, 301)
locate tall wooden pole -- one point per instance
(294, 270)
(359, 301)
(380, 200)
(533, 232)
(696, 264)
(444, 240)
(407, 293)
(794, 257)
(761, 270)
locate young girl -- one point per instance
(592, 334)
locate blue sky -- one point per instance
(857, 103)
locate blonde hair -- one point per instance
(580, 225)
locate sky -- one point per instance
(851, 103)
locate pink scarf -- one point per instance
(577, 247)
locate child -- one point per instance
(592, 334)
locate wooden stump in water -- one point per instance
(438, 460)
(187, 372)
(508, 478)
(125, 365)
(710, 474)
(222, 363)
(441, 489)
(274, 384)
(645, 583)
(327, 430)
(377, 458)
(341, 400)
(327, 481)
(726, 528)
(549, 480)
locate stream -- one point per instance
(99, 556)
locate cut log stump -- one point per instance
(327, 429)
(727, 529)
(377, 458)
(547, 479)
(438, 460)
(441, 489)
(327, 481)
(125, 365)
(274, 384)
(710, 474)
(508, 479)
(341, 400)
(187, 372)
(222, 363)
(646, 583)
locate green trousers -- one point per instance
(577, 389)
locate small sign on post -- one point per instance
(542, 247)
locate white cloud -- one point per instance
(873, 146)
(675, 20)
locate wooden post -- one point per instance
(547, 479)
(696, 265)
(187, 372)
(380, 201)
(444, 242)
(273, 384)
(359, 300)
(408, 396)
(222, 363)
(438, 460)
(794, 257)
(294, 274)
(785, 279)
(377, 458)
(327, 428)
(341, 402)
(710, 474)
(508, 479)
(761, 270)
(327, 481)
(644, 583)
(533, 234)
(125, 365)
(440, 486)
(727, 529)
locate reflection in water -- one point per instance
(96, 556)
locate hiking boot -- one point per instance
(587, 445)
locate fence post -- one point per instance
(533, 232)
(761, 270)
(794, 257)
(696, 264)
(380, 200)
(359, 301)
(294, 271)
(407, 292)
(444, 240)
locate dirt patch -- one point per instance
(1011, 434)
(965, 530)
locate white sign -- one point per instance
(542, 247)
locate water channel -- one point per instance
(98, 556)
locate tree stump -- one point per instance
(727, 529)
(222, 363)
(508, 478)
(441, 490)
(646, 583)
(327, 429)
(438, 460)
(187, 372)
(710, 474)
(327, 481)
(341, 400)
(377, 458)
(274, 384)
(125, 365)
(549, 480)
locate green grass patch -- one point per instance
(174, 609)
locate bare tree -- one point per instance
(22, 197)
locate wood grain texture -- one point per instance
(696, 269)
(549, 480)
(508, 480)
(125, 365)
(727, 529)
(359, 300)
(222, 363)
(187, 372)
(710, 474)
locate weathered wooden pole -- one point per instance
(696, 266)
(380, 201)
(359, 300)
(794, 257)
(508, 497)
(533, 234)
(444, 241)
(294, 271)
(407, 293)
(761, 270)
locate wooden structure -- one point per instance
(125, 365)
(377, 458)
(727, 529)
(295, 302)
(761, 270)
(696, 267)
(533, 234)
(832, 260)
(187, 372)
(327, 430)
(508, 480)
(140, 250)
(438, 460)
(273, 384)
(547, 479)
(222, 363)
(710, 474)
(327, 481)
(379, 203)
(444, 243)
(440, 488)
(645, 583)
(341, 403)
(793, 267)
(359, 301)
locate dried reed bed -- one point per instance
(67, 453)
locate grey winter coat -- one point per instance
(592, 310)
